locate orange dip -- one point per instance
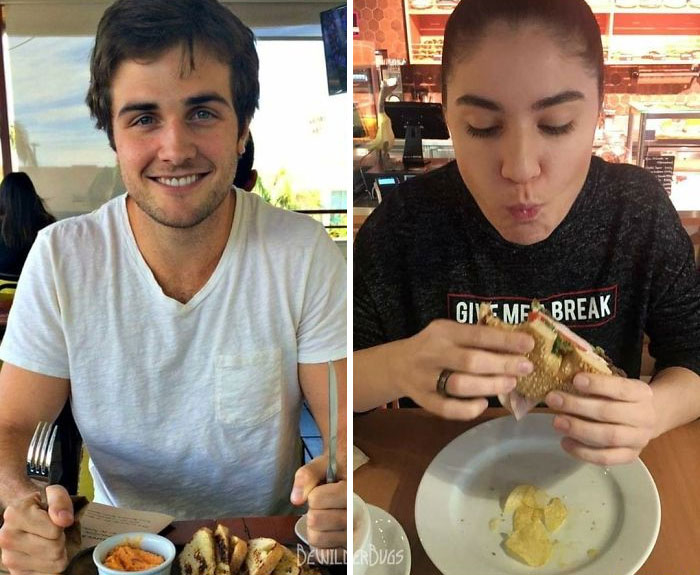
(127, 558)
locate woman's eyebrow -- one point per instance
(548, 102)
(561, 98)
(479, 102)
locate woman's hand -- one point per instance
(485, 361)
(611, 423)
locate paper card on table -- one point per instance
(101, 521)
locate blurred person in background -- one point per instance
(246, 177)
(22, 215)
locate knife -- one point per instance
(332, 468)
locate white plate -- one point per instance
(390, 553)
(614, 512)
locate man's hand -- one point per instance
(485, 361)
(32, 538)
(611, 423)
(327, 516)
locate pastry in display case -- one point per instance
(632, 30)
(665, 139)
(421, 4)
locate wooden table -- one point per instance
(401, 443)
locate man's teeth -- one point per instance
(179, 182)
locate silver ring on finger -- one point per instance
(442, 382)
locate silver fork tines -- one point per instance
(40, 450)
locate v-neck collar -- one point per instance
(149, 279)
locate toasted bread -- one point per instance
(222, 550)
(263, 556)
(199, 556)
(239, 550)
(288, 565)
(558, 354)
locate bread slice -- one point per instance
(558, 354)
(288, 565)
(239, 550)
(263, 556)
(222, 550)
(198, 556)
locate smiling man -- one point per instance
(186, 320)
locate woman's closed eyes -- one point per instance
(493, 131)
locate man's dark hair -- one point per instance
(144, 29)
(571, 22)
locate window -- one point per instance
(299, 130)
(53, 137)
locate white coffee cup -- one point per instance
(361, 535)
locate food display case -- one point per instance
(665, 139)
(632, 31)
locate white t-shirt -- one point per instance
(188, 409)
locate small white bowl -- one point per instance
(145, 541)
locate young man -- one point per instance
(185, 321)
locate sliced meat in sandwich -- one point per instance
(559, 354)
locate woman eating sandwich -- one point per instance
(526, 213)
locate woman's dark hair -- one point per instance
(22, 213)
(570, 21)
(245, 164)
(144, 29)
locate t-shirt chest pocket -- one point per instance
(248, 387)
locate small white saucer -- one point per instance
(388, 539)
(300, 529)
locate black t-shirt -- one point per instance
(619, 264)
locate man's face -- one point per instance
(176, 135)
(522, 114)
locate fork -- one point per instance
(40, 454)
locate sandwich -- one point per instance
(558, 355)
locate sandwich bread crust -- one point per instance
(558, 354)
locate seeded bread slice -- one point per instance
(288, 565)
(239, 550)
(198, 557)
(263, 556)
(222, 550)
